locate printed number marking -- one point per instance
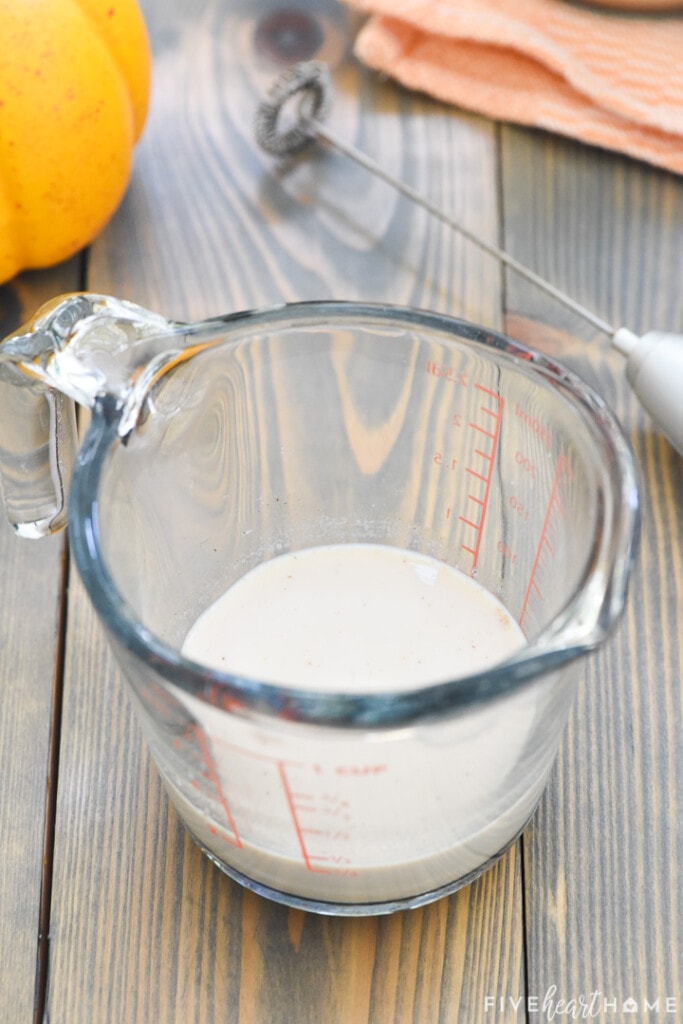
(439, 461)
(507, 552)
(447, 373)
(519, 508)
(526, 464)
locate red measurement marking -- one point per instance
(320, 859)
(293, 810)
(493, 416)
(351, 770)
(360, 770)
(544, 544)
(261, 757)
(326, 834)
(468, 522)
(320, 819)
(447, 373)
(304, 803)
(212, 774)
(543, 433)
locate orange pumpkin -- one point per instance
(74, 89)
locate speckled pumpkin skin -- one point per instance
(74, 90)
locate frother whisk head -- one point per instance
(312, 81)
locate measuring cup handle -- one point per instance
(75, 349)
(37, 451)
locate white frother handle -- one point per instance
(654, 368)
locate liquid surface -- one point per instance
(350, 815)
(354, 618)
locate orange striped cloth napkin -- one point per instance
(610, 79)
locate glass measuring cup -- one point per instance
(216, 446)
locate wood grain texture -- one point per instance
(143, 927)
(604, 887)
(30, 579)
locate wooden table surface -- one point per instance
(109, 913)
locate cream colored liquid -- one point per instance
(354, 617)
(348, 815)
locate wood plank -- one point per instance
(144, 928)
(604, 888)
(30, 598)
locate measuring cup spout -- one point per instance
(76, 349)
